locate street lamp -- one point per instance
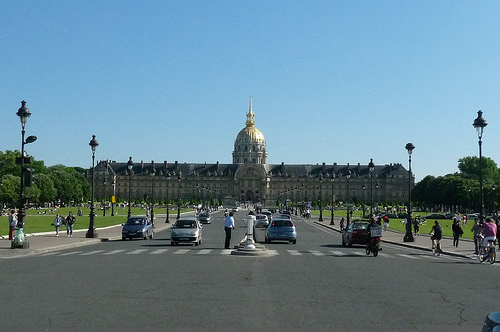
(105, 182)
(409, 235)
(348, 176)
(153, 173)
(320, 203)
(91, 232)
(23, 113)
(479, 124)
(179, 179)
(130, 167)
(113, 198)
(332, 220)
(168, 184)
(371, 168)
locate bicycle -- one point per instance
(488, 253)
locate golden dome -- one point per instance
(250, 135)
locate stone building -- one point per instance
(251, 179)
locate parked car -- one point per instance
(186, 230)
(281, 230)
(137, 227)
(261, 221)
(204, 218)
(435, 216)
(356, 233)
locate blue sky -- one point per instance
(331, 81)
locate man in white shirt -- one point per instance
(228, 227)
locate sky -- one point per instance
(330, 81)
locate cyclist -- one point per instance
(489, 232)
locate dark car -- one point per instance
(356, 233)
(204, 218)
(435, 216)
(281, 230)
(140, 227)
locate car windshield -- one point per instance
(261, 217)
(282, 223)
(360, 225)
(134, 221)
(185, 224)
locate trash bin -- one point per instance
(19, 239)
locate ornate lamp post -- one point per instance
(479, 124)
(348, 176)
(168, 185)
(371, 168)
(130, 167)
(332, 220)
(23, 113)
(320, 203)
(409, 235)
(179, 179)
(91, 232)
(104, 183)
(153, 173)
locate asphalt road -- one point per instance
(315, 284)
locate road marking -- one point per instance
(359, 253)
(71, 253)
(316, 253)
(294, 252)
(272, 252)
(157, 252)
(204, 251)
(113, 252)
(91, 252)
(338, 253)
(385, 255)
(182, 251)
(408, 256)
(137, 251)
(226, 251)
(50, 253)
(430, 257)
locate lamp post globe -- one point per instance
(409, 235)
(91, 231)
(130, 168)
(479, 124)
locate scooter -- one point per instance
(373, 246)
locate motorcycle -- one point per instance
(373, 245)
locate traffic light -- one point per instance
(28, 177)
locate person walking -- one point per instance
(70, 220)
(57, 223)
(228, 227)
(457, 232)
(476, 231)
(12, 223)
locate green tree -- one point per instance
(469, 168)
(47, 190)
(10, 189)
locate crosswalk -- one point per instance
(270, 252)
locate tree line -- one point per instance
(55, 184)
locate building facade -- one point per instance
(251, 179)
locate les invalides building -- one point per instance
(250, 179)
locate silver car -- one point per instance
(186, 230)
(261, 221)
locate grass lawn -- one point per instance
(42, 222)
(397, 225)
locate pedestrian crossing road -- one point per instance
(271, 253)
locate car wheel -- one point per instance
(294, 241)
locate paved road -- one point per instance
(316, 284)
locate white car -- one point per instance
(262, 221)
(186, 230)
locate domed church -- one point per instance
(249, 179)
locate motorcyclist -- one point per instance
(371, 225)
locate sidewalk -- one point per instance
(422, 241)
(47, 241)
